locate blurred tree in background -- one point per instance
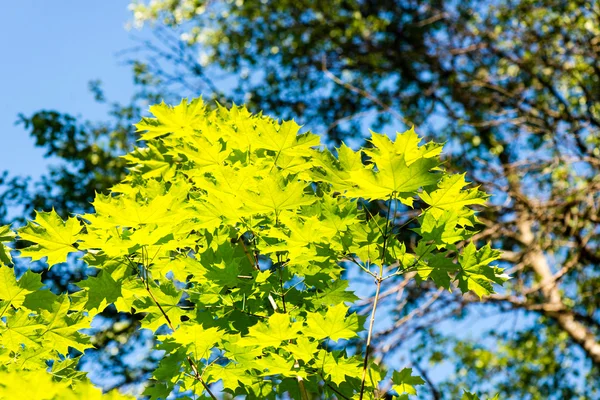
(512, 86)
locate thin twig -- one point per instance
(280, 268)
(361, 92)
(375, 301)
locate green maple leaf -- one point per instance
(197, 339)
(212, 197)
(167, 297)
(167, 209)
(284, 138)
(401, 170)
(6, 235)
(241, 354)
(32, 357)
(169, 367)
(476, 274)
(150, 162)
(15, 292)
(336, 170)
(36, 384)
(301, 234)
(367, 239)
(405, 382)
(333, 325)
(437, 268)
(202, 152)
(441, 227)
(181, 119)
(408, 143)
(450, 195)
(274, 364)
(61, 328)
(337, 213)
(53, 237)
(232, 375)
(102, 290)
(337, 367)
(272, 195)
(21, 329)
(279, 328)
(334, 293)
(67, 370)
(303, 349)
(224, 272)
(40, 300)
(157, 390)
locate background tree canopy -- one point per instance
(512, 86)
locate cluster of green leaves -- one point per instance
(230, 235)
(515, 84)
(38, 328)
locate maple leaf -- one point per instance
(6, 235)
(337, 170)
(102, 290)
(441, 227)
(232, 375)
(450, 195)
(333, 325)
(151, 162)
(167, 296)
(303, 349)
(333, 294)
(274, 364)
(367, 238)
(204, 154)
(408, 143)
(157, 390)
(284, 138)
(401, 170)
(220, 212)
(53, 237)
(181, 119)
(272, 195)
(404, 382)
(124, 211)
(279, 328)
(197, 339)
(61, 328)
(437, 268)
(15, 292)
(302, 234)
(29, 385)
(476, 274)
(41, 385)
(67, 370)
(337, 367)
(21, 329)
(39, 300)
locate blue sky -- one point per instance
(50, 51)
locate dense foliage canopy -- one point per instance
(229, 236)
